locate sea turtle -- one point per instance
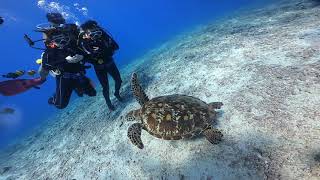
(171, 117)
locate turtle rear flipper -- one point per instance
(215, 105)
(134, 134)
(137, 90)
(214, 136)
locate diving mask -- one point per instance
(60, 41)
(94, 34)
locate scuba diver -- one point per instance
(1, 20)
(99, 48)
(63, 58)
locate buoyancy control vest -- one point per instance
(97, 44)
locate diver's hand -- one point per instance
(74, 59)
(43, 73)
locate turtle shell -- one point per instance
(175, 116)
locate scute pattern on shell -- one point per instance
(175, 116)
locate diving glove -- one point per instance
(74, 59)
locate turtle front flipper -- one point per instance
(134, 134)
(214, 136)
(137, 90)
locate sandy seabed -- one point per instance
(264, 65)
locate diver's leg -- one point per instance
(52, 99)
(79, 92)
(114, 72)
(87, 87)
(103, 79)
(63, 92)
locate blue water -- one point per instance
(138, 26)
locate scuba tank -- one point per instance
(57, 34)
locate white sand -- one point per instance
(264, 66)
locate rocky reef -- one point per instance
(263, 64)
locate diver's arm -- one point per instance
(111, 41)
(46, 62)
(43, 72)
(114, 43)
(84, 49)
(74, 59)
(80, 42)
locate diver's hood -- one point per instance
(56, 18)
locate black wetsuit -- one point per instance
(72, 75)
(99, 54)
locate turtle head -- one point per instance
(133, 115)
